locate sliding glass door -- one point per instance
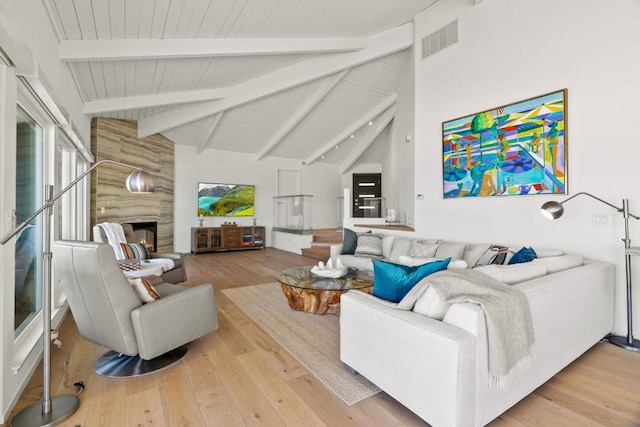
(29, 197)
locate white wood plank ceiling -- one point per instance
(300, 79)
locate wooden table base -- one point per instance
(313, 300)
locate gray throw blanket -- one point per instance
(507, 314)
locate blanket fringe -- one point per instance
(503, 382)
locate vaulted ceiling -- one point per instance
(313, 80)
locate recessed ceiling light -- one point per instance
(322, 156)
(370, 122)
(352, 135)
(336, 147)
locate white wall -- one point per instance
(320, 180)
(398, 163)
(512, 50)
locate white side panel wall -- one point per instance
(513, 50)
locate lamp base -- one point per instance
(62, 407)
(622, 341)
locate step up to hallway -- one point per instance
(327, 235)
(319, 253)
(323, 238)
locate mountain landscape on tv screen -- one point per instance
(226, 200)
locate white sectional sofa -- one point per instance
(439, 368)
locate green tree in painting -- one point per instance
(480, 123)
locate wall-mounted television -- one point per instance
(216, 199)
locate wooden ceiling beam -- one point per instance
(301, 113)
(117, 50)
(370, 115)
(382, 44)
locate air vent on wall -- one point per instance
(438, 40)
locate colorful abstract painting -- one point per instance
(516, 149)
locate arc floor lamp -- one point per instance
(53, 410)
(554, 210)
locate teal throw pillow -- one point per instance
(523, 255)
(392, 282)
(349, 241)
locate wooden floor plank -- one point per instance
(289, 406)
(577, 403)
(178, 399)
(251, 403)
(537, 410)
(235, 375)
(145, 409)
(280, 360)
(106, 409)
(215, 404)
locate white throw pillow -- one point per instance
(413, 261)
(450, 250)
(422, 249)
(409, 300)
(546, 252)
(387, 246)
(457, 264)
(431, 304)
(474, 251)
(401, 246)
(144, 289)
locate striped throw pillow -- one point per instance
(369, 245)
(135, 250)
(144, 289)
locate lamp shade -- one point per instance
(552, 210)
(140, 182)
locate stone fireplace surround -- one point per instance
(113, 139)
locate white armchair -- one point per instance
(142, 337)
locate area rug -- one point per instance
(312, 339)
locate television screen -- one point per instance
(216, 199)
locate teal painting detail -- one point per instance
(516, 149)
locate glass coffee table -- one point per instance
(311, 293)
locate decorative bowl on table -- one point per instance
(332, 273)
(329, 270)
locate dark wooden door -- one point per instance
(367, 186)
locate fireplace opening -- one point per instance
(146, 232)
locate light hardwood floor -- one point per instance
(238, 375)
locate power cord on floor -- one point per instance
(78, 386)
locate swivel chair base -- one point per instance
(116, 365)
